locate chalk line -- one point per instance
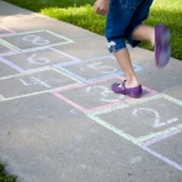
(7, 29)
(163, 158)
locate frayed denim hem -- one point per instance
(113, 47)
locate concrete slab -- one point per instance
(61, 122)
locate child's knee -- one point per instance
(115, 46)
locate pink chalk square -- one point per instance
(96, 95)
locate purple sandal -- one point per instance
(135, 92)
(162, 46)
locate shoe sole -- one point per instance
(162, 49)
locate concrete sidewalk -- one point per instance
(59, 120)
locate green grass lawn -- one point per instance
(4, 177)
(80, 13)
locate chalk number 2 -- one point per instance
(157, 122)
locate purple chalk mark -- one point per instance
(8, 53)
(157, 139)
(11, 65)
(165, 159)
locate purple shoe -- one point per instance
(135, 92)
(162, 46)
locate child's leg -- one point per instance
(130, 85)
(144, 32)
(124, 61)
(159, 37)
(116, 32)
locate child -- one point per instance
(124, 21)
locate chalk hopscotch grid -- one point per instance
(77, 82)
(110, 105)
(86, 80)
(21, 70)
(66, 40)
(138, 142)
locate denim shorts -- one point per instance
(122, 18)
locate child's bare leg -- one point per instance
(124, 61)
(144, 32)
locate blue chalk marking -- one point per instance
(136, 67)
(85, 79)
(62, 67)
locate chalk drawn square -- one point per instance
(143, 120)
(95, 96)
(34, 39)
(36, 59)
(34, 83)
(94, 69)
